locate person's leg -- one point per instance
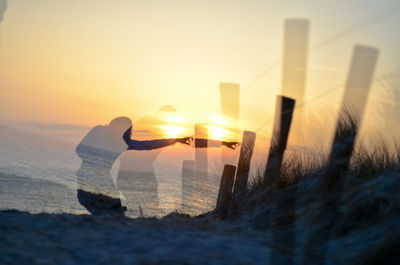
(140, 190)
(97, 191)
(99, 204)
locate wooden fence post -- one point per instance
(295, 52)
(188, 177)
(283, 118)
(352, 110)
(294, 74)
(225, 191)
(201, 136)
(358, 84)
(230, 99)
(243, 170)
(294, 68)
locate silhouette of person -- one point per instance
(98, 150)
(136, 178)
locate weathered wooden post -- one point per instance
(188, 178)
(243, 170)
(350, 116)
(283, 118)
(200, 143)
(225, 191)
(294, 67)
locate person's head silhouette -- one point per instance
(120, 125)
(116, 128)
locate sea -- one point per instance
(38, 174)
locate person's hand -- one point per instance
(231, 145)
(185, 140)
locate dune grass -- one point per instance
(366, 161)
(348, 124)
(372, 161)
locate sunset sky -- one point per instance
(86, 62)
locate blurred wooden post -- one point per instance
(230, 107)
(188, 175)
(230, 99)
(243, 170)
(354, 101)
(357, 88)
(283, 118)
(295, 50)
(294, 68)
(200, 143)
(225, 191)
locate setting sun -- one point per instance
(218, 133)
(172, 131)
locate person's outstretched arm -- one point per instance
(127, 135)
(231, 145)
(152, 144)
(206, 143)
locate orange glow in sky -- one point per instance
(87, 62)
(172, 131)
